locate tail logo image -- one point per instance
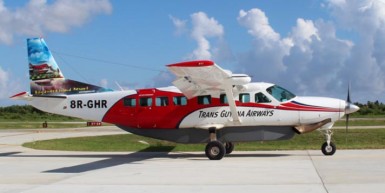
(41, 63)
(46, 77)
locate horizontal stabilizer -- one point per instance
(21, 96)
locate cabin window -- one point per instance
(179, 100)
(145, 101)
(261, 98)
(223, 99)
(204, 100)
(280, 93)
(129, 102)
(161, 101)
(244, 97)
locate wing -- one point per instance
(203, 77)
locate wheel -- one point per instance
(229, 147)
(328, 150)
(215, 150)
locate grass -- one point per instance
(358, 122)
(354, 139)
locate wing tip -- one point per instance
(195, 63)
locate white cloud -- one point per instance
(203, 28)
(258, 25)
(363, 16)
(180, 25)
(308, 60)
(366, 64)
(3, 79)
(304, 32)
(315, 61)
(311, 59)
(40, 16)
(8, 86)
(264, 59)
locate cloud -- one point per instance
(363, 16)
(264, 59)
(40, 16)
(8, 86)
(309, 60)
(204, 28)
(366, 64)
(258, 25)
(3, 79)
(180, 25)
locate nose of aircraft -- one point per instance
(351, 108)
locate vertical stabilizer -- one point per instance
(46, 76)
(42, 65)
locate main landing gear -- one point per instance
(328, 148)
(216, 150)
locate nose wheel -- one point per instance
(328, 148)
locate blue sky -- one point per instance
(311, 47)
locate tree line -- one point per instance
(371, 108)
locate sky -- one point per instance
(310, 47)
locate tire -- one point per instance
(215, 150)
(229, 147)
(328, 150)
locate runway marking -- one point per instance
(315, 168)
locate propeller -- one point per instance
(349, 108)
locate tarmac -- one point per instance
(28, 170)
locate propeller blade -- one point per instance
(347, 126)
(347, 108)
(348, 98)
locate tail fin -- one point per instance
(46, 76)
(42, 65)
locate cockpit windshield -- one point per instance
(280, 93)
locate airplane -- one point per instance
(207, 104)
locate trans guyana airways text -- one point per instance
(224, 113)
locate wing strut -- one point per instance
(231, 101)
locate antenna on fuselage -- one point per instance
(117, 84)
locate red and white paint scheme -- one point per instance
(207, 105)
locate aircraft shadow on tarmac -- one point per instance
(115, 160)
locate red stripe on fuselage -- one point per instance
(304, 107)
(170, 116)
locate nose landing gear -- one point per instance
(328, 148)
